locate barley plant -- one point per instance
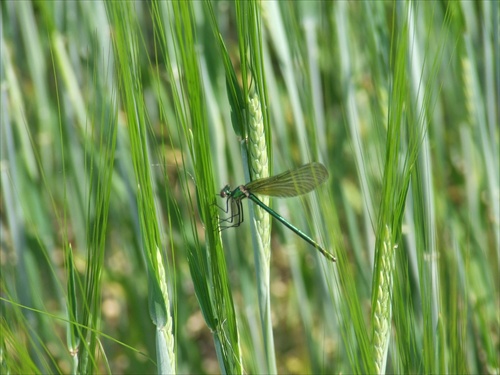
(122, 120)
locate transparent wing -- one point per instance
(291, 183)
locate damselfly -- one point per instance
(287, 184)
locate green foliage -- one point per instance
(120, 122)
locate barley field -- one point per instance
(121, 121)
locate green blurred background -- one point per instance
(121, 121)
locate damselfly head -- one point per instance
(226, 191)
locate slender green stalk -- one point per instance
(261, 229)
(395, 187)
(207, 263)
(126, 47)
(256, 156)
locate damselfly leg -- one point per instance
(235, 210)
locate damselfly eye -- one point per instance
(225, 191)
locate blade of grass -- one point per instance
(126, 49)
(207, 267)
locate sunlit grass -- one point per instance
(122, 121)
